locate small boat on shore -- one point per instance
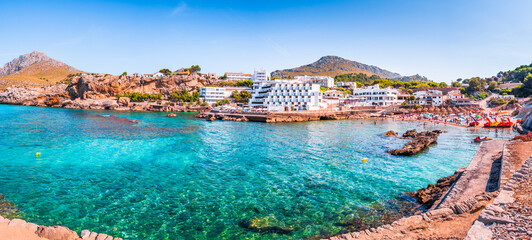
(473, 124)
(478, 139)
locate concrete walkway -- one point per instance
(474, 180)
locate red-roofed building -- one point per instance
(231, 76)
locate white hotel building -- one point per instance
(286, 95)
(376, 96)
(213, 94)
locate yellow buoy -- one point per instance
(364, 159)
(37, 154)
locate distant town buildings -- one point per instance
(347, 85)
(260, 76)
(231, 76)
(212, 76)
(323, 81)
(286, 95)
(509, 85)
(463, 101)
(157, 74)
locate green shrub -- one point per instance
(140, 97)
(184, 96)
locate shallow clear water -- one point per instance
(184, 178)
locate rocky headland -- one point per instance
(99, 91)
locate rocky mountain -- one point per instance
(332, 66)
(36, 69)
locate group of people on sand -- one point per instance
(459, 119)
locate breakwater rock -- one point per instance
(421, 141)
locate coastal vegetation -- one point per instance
(166, 71)
(184, 96)
(243, 96)
(240, 83)
(140, 97)
(362, 79)
(225, 101)
(479, 87)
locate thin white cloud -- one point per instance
(179, 9)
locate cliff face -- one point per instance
(97, 86)
(332, 66)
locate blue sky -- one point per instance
(442, 40)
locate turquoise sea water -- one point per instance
(184, 178)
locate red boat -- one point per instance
(473, 124)
(478, 139)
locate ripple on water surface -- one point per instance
(168, 178)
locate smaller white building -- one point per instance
(231, 76)
(505, 97)
(429, 97)
(463, 101)
(347, 84)
(323, 81)
(157, 74)
(454, 94)
(376, 96)
(260, 76)
(213, 94)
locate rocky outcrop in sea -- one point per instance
(419, 142)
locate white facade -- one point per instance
(260, 76)
(376, 96)
(237, 76)
(429, 97)
(323, 81)
(286, 95)
(454, 94)
(157, 74)
(213, 94)
(346, 84)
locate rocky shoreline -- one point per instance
(506, 218)
(20, 229)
